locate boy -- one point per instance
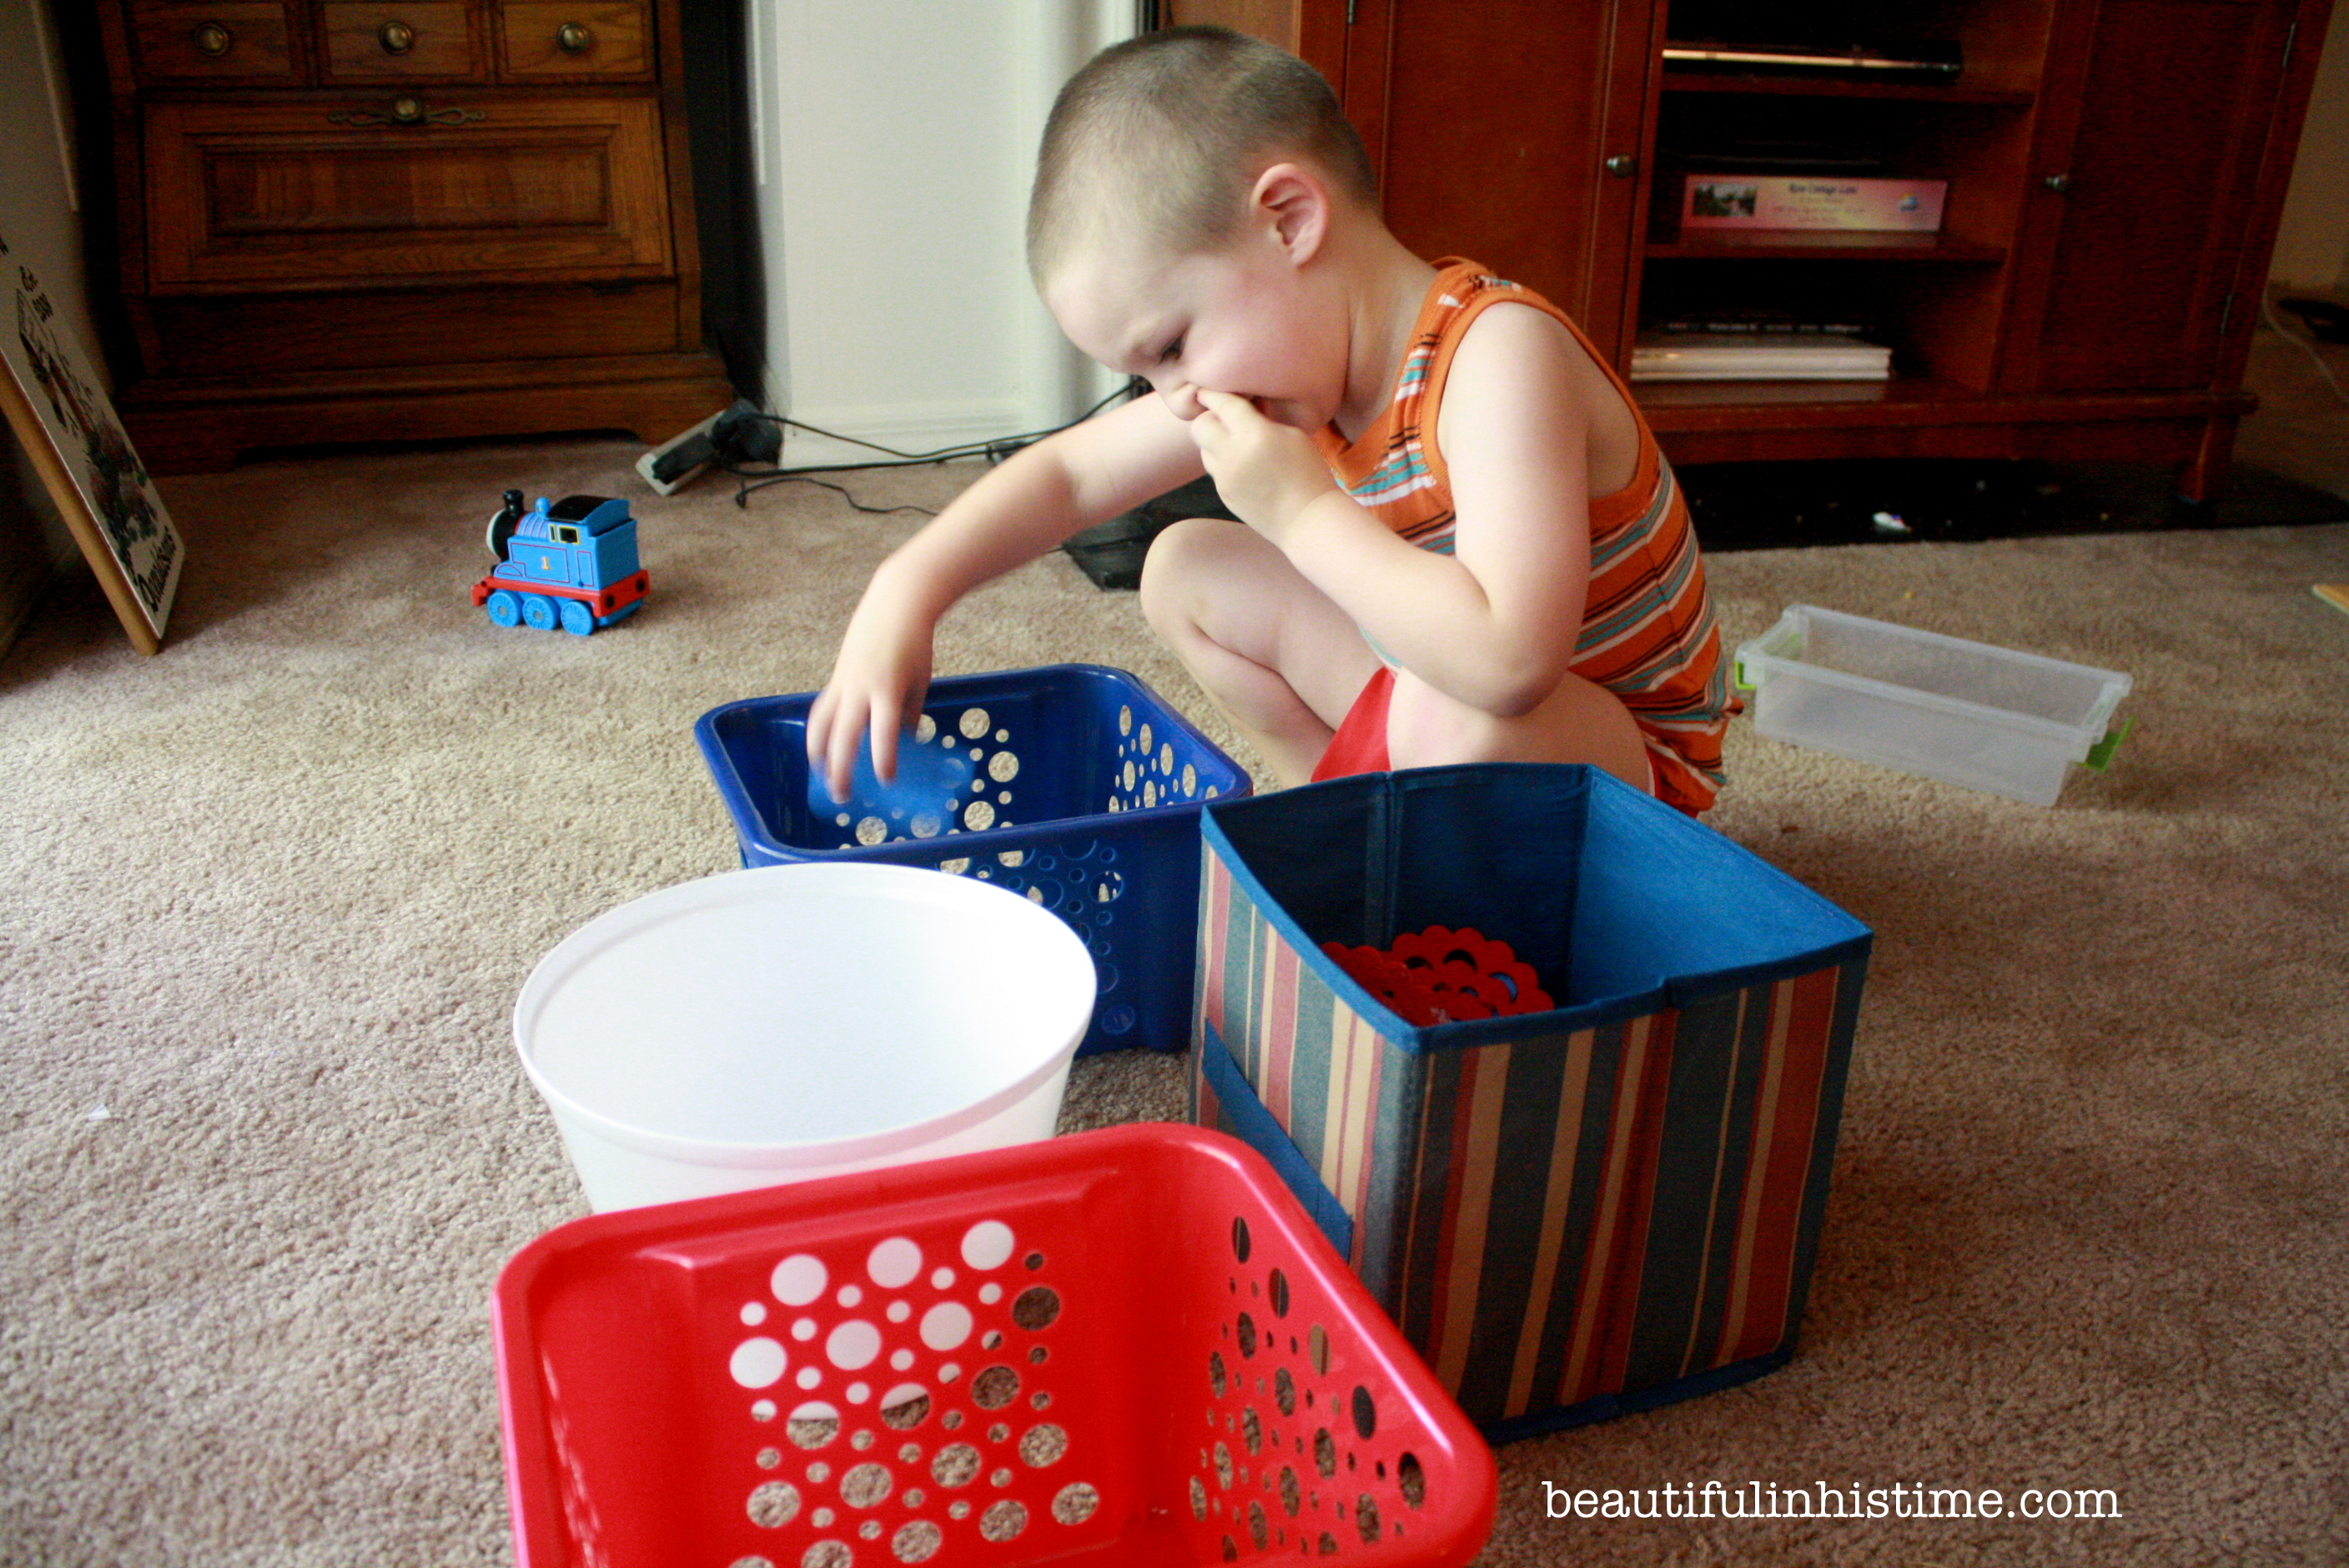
(1507, 573)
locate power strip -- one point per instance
(682, 459)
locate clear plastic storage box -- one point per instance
(1971, 714)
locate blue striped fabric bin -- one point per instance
(1570, 1213)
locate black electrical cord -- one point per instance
(747, 480)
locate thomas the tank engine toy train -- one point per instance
(571, 564)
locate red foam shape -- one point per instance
(1440, 975)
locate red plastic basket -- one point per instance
(1126, 1345)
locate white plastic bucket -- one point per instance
(770, 1025)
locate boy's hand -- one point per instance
(1266, 472)
(874, 693)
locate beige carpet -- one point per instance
(264, 1144)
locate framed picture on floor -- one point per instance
(58, 409)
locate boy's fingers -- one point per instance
(1228, 406)
(839, 761)
(884, 743)
(847, 734)
(819, 727)
(822, 742)
(1208, 431)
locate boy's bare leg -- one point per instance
(1284, 663)
(1281, 661)
(1580, 721)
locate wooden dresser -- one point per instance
(350, 221)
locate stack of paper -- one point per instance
(1744, 357)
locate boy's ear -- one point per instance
(1294, 204)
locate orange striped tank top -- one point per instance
(1648, 629)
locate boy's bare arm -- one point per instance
(1038, 498)
(1494, 625)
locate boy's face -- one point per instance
(1240, 319)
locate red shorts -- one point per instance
(1360, 746)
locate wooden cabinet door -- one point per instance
(471, 187)
(1514, 131)
(1314, 30)
(1511, 131)
(2146, 177)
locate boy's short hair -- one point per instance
(1176, 125)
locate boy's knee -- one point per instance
(1179, 558)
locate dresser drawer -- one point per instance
(553, 39)
(377, 42)
(230, 39)
(404, 187)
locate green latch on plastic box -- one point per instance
(2100, 755)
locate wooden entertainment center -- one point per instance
(368, 219)
(2114, 171)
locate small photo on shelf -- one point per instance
(1812, 201)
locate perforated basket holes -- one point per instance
(1293, 1461)
(579, 1513)
(996, 761)
(1146, 771)
(894, 1401)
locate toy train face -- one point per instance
(571, 564)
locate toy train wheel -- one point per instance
(577, 619)
(538, 613)
(504, 609)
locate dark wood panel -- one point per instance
(1823, 245)
(284, 195)
(1499, 132)
(1692, 405)
(184, 427)
(2059, 440)
(265, 195)
(411, 40)
(1688, 81)
(215, 41)
(223, 334)
(1280, 21)
(2150, 230)
(575, 38)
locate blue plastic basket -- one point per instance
(1087, 800)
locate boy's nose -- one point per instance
(1183, 399)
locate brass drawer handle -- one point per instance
(213, 40)
(395, 36)
(573, 39)
(405, 109)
